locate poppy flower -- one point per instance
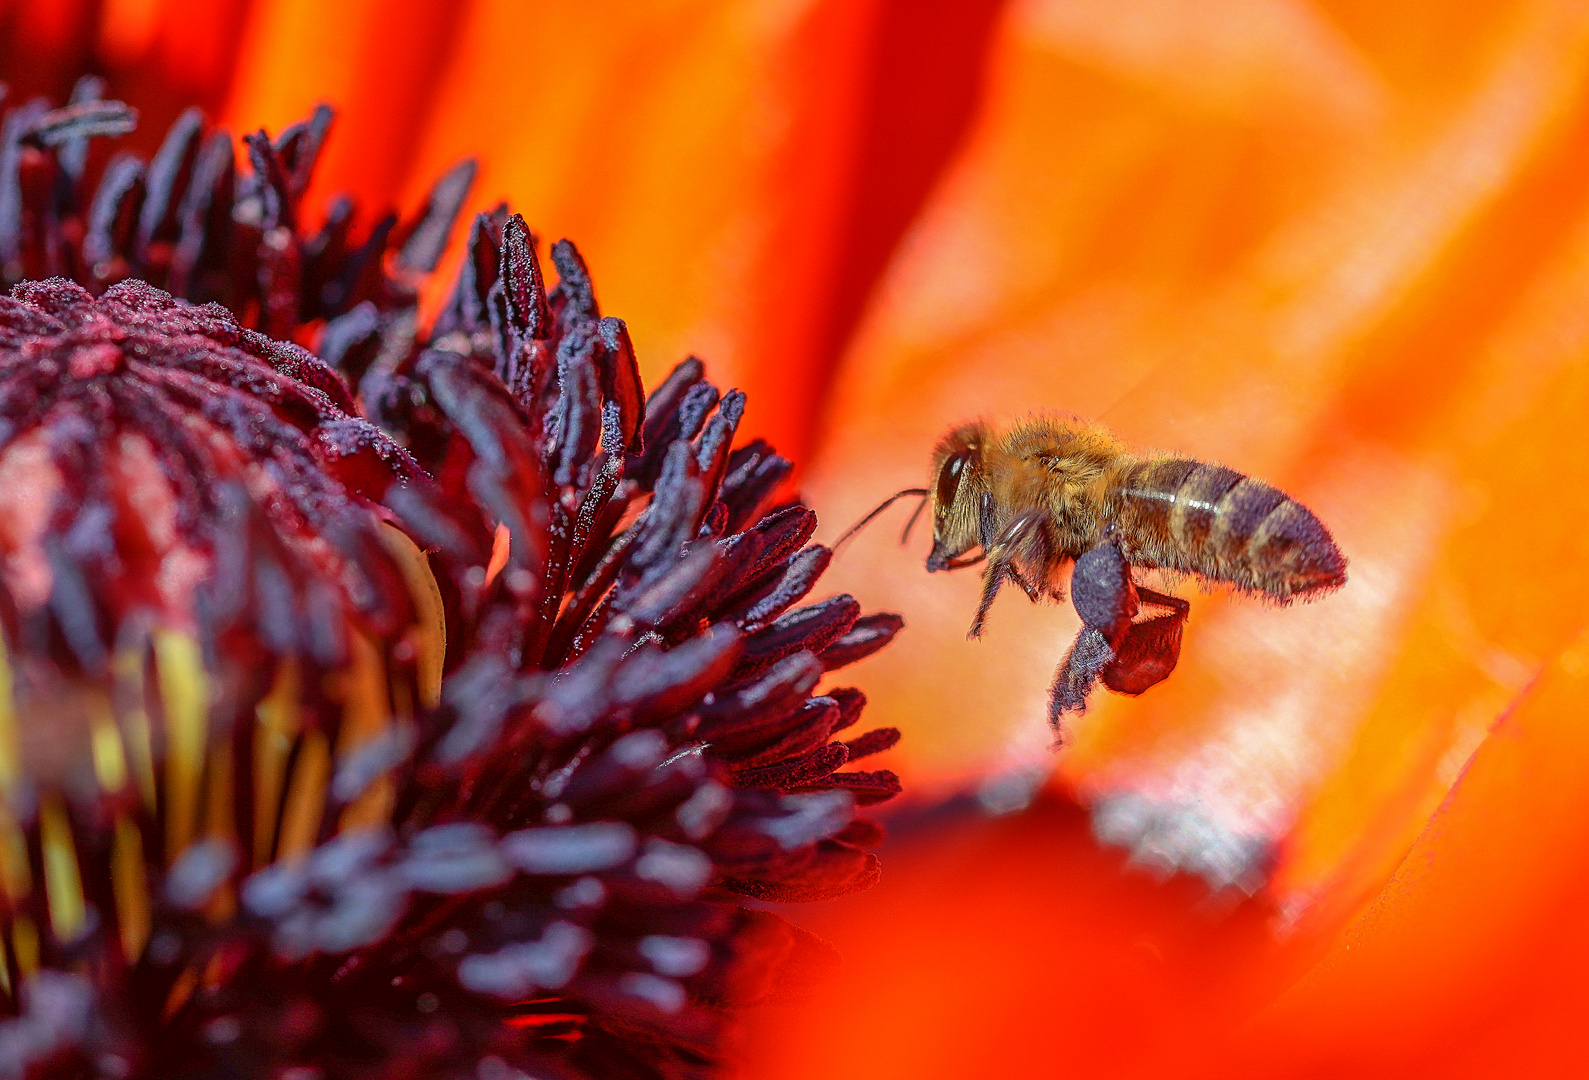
(1333, 244)
(443, 723)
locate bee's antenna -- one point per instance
(884, 505)
(904, 537)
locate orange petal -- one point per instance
(1015, 947)
(1471, 961)
(376, 63)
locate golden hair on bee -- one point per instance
(1048, 494)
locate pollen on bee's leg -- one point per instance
(1102, 592)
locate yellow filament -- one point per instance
(25, 943)
(132, 889)
(128, 666)
(181, 990)
(110, 762)
(15, 877)
(402, 701)
(5, 968)
(430, 629)
(371, 808)
(10, 746)
(501, 548)
(306, 797)
(362, 687)
(220, 821)
(215, 971)
(365, 715)
(185, 693)
(278, 726)
(62, 883)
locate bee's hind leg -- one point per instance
(1151, 646)
(1163, 600)
(1089, 655)
(1127, 652)
(1106, 600)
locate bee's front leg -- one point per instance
(1021, 540)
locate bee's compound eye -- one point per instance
(949, 477)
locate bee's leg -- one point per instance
(1117, 645)
(1021, 539)
(1163, 600)
(1146, 655)
(1104, 597)
(1150, 647)
(1073, 680)
(1102, 591)
(1143, 656)
(992, 578)
(1033, 593)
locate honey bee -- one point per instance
(1049, 494)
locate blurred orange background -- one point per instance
(1343, 245)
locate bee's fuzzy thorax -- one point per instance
(1061, 467)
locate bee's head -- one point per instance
(957, 491)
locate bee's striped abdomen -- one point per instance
(1212, 521)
